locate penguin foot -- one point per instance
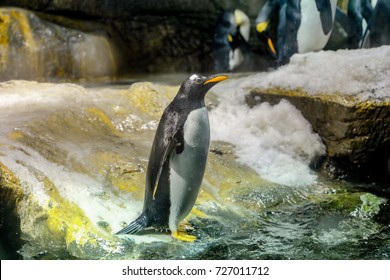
(185, 226)
(198, 213)
(183, 236)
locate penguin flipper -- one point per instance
(176, 141)
(325, 9)
(139, 224)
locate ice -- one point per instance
(276, 141)
(363, 73)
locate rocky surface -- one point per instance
(72, 173)
(355, 133)
(345, 97)
(152, 35)
(37, 49)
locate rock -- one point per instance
(153, 35)
(356, 134)
(72, 171)
(33, 48)
(354, 124)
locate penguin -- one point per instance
(231, 38)
(177, 159)
(266, 24)
(359, 15)
(238, 41)
(303, 26)
(378, 29)
(221, 48)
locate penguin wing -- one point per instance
(176, 142)
(325, 9)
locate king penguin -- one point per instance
(177, 159)
(303, 25)
(230, 44)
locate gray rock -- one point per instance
(154, 35)
(356, 133)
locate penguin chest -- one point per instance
(310, 35)
(187, 168)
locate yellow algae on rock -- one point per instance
(99, 115)
(150, 98)
(9, 187)
(4, 23)
(33, 48)
(121, 173)
(68, 221)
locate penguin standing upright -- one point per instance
(304, 26)
(238, 40)
(177, 160)
(267, 22)
(359, 15)
(378, 29)
(221, 48)
(230, 44)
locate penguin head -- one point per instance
(196, 86)
(263, 34)
(240, 31)
(242, 24)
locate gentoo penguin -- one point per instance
(303, 26)
(177, 159)
(231, 37)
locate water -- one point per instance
(80, 154)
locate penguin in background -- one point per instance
(366, 22)
(267, 24)
(378, 29)
(177, 160)
(359, 13)
(221, 47)
(303, 26)
(230, 44)
(238, 41)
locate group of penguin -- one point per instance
(286, 27)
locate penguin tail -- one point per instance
(139, 224)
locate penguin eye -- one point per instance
(198, 81)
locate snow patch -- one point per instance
(276, 141)
(363, 73)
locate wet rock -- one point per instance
(37, 49)
(349, 108)
(355, 133)
(72, 174)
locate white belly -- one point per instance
(310, 34)
(187, 168)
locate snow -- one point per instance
(363, 73)
(277, 141)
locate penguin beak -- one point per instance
(261, 28)
(216, 79)
(271, 46)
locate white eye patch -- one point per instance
(196, 79)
